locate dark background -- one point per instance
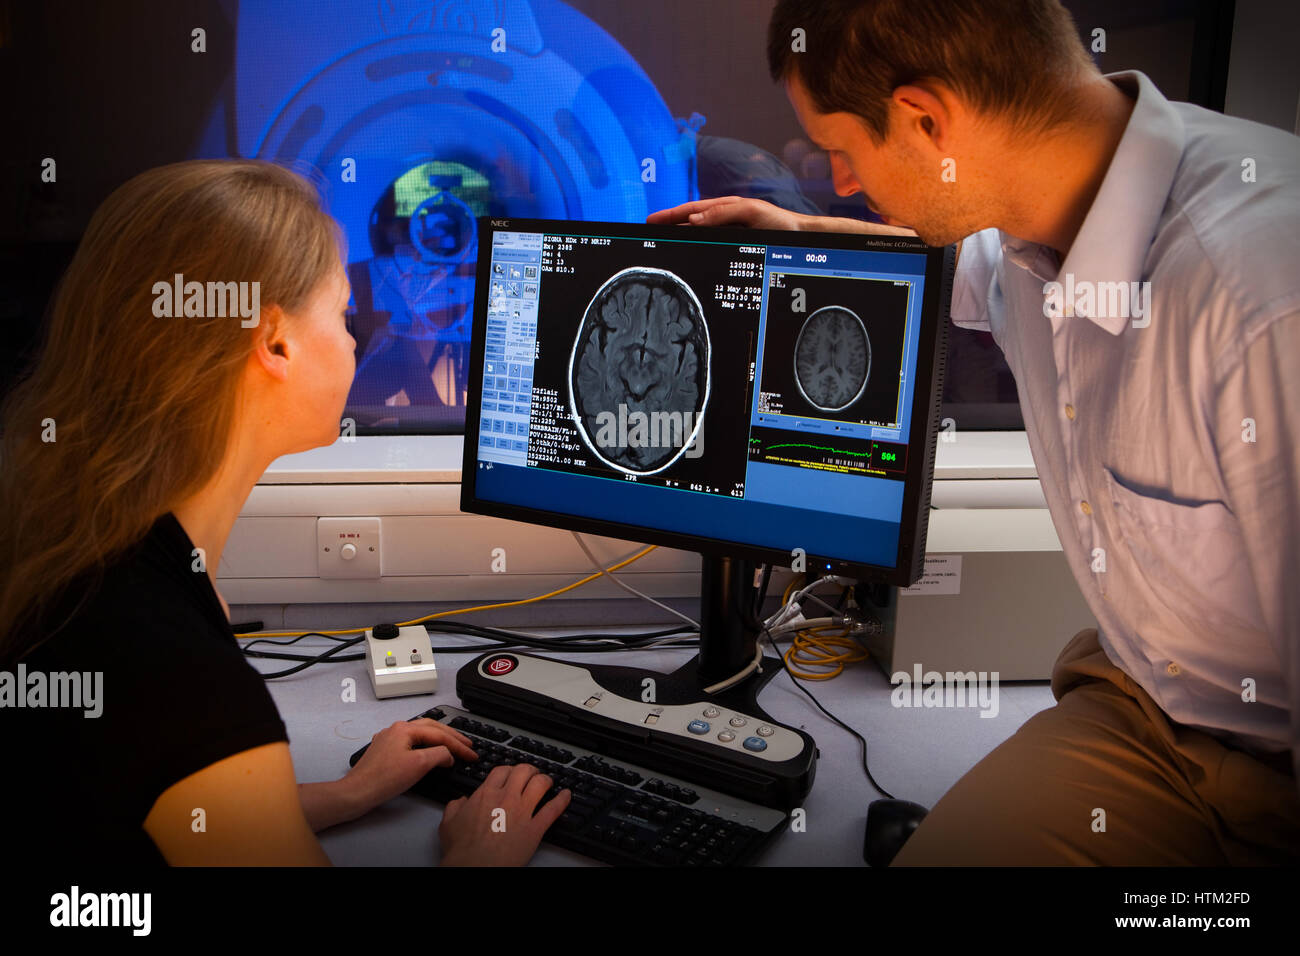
(111, 88)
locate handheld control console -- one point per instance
(647, 718)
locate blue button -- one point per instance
(699, 727)
(756, 744)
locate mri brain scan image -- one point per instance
(639, 371)
(832, 359)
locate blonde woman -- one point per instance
(128, 450)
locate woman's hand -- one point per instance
(495, 826)
(400, 755)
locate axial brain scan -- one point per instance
(832, 358)
(643, 345)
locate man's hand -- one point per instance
(760, 214)
(495, 826)
(731, 211)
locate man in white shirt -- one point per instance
(1138, 262)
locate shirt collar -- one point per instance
(1112, 243)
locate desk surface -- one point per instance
(918, 753)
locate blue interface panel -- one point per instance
(759, 394)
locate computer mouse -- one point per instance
(889, 824)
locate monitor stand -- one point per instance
(728, 635)
(728, 632)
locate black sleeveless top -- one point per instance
(174, 696)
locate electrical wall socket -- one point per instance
(348, 547)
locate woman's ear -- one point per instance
(270, 345)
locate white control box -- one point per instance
(400, 661)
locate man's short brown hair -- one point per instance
(1013, 58)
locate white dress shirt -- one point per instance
(1166, 433)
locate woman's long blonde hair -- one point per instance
(140, 408)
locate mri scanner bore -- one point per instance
(639, 371)
(418, 118)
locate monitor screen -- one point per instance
(763, 395)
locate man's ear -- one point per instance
(270, 345)
(927, 108)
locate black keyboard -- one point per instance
(619, 813)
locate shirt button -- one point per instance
(1085, 507)
(1069, 412)
(1174, 669)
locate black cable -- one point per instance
(808, 693)
(498, 638)
(492, 634)
(315, 660)
(762, 591)
(295, 640)
(514, 638)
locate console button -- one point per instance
(500, 665)
(738, 721)
(698, 727)
(765, 731)
(726, 736)
(710, 711)
(756, 744)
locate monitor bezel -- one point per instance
(923, 433)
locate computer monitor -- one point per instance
(752, 395)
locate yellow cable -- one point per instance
(469, 610)
(794, 582)
(812, 647)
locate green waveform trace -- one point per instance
(837, 451)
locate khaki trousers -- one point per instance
(1169, 795)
